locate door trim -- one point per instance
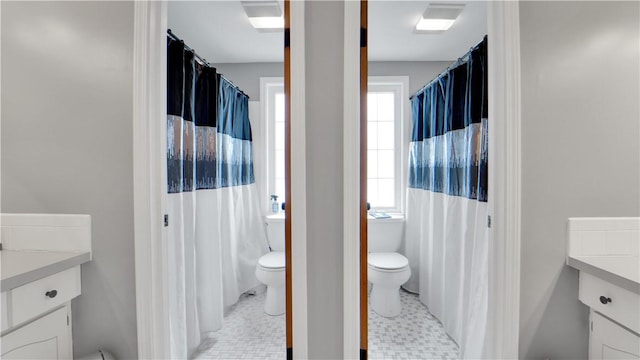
(505, 178)
(150, 178)
(298, 183)
(364, 232)
(287, 180)
(351, 181)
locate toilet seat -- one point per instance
(387, 261)
(273, 261)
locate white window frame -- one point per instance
(399, 85)
(269, 87)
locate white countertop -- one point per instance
(19, 267)
(623, 271)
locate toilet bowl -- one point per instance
(387, 269)
(270, 269)
(271, 272)
(386, 272)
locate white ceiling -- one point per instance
(392, 37)
(220, 32)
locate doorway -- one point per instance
(230, 66)
(503, 251)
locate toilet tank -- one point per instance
(275, 231)
(385, 235)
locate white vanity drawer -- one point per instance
(37, 297)
(622, 307)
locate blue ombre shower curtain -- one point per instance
(216, 234)
(446, 236)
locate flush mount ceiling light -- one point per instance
(438, 18)
(267, 22)
(264, 15)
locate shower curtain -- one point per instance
(446, 234)
(216, 234)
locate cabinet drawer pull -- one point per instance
(605, 300)
(53, 293)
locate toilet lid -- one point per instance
(272, 260)
(387, 260)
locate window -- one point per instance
(387, 145)
(278, 146)
(272, 106)
(385, 142)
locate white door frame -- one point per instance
(150, 179)
(504, 179)
(351, 182)
(298, 182)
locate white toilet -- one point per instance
(387, 269)
(270, 269)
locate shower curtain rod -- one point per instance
(461, 60)
(203, 60)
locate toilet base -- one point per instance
(274, 303)
(385, 301)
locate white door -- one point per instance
(609, 340)
(45, 338)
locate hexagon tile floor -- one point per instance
(249, 333)
(414, 334)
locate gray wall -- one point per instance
(581, 153)
(247, 75)
(419, 72)
(324, 106)
(67, 85)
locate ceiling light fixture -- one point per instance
(267, 22)
(264, 14)
(438, 18)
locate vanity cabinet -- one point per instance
(48, 337)
(605, 252)
(40, 273)
(608, 340)
(613, 320)
(37, 322)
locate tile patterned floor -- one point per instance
(249, 333)
(414, 334)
